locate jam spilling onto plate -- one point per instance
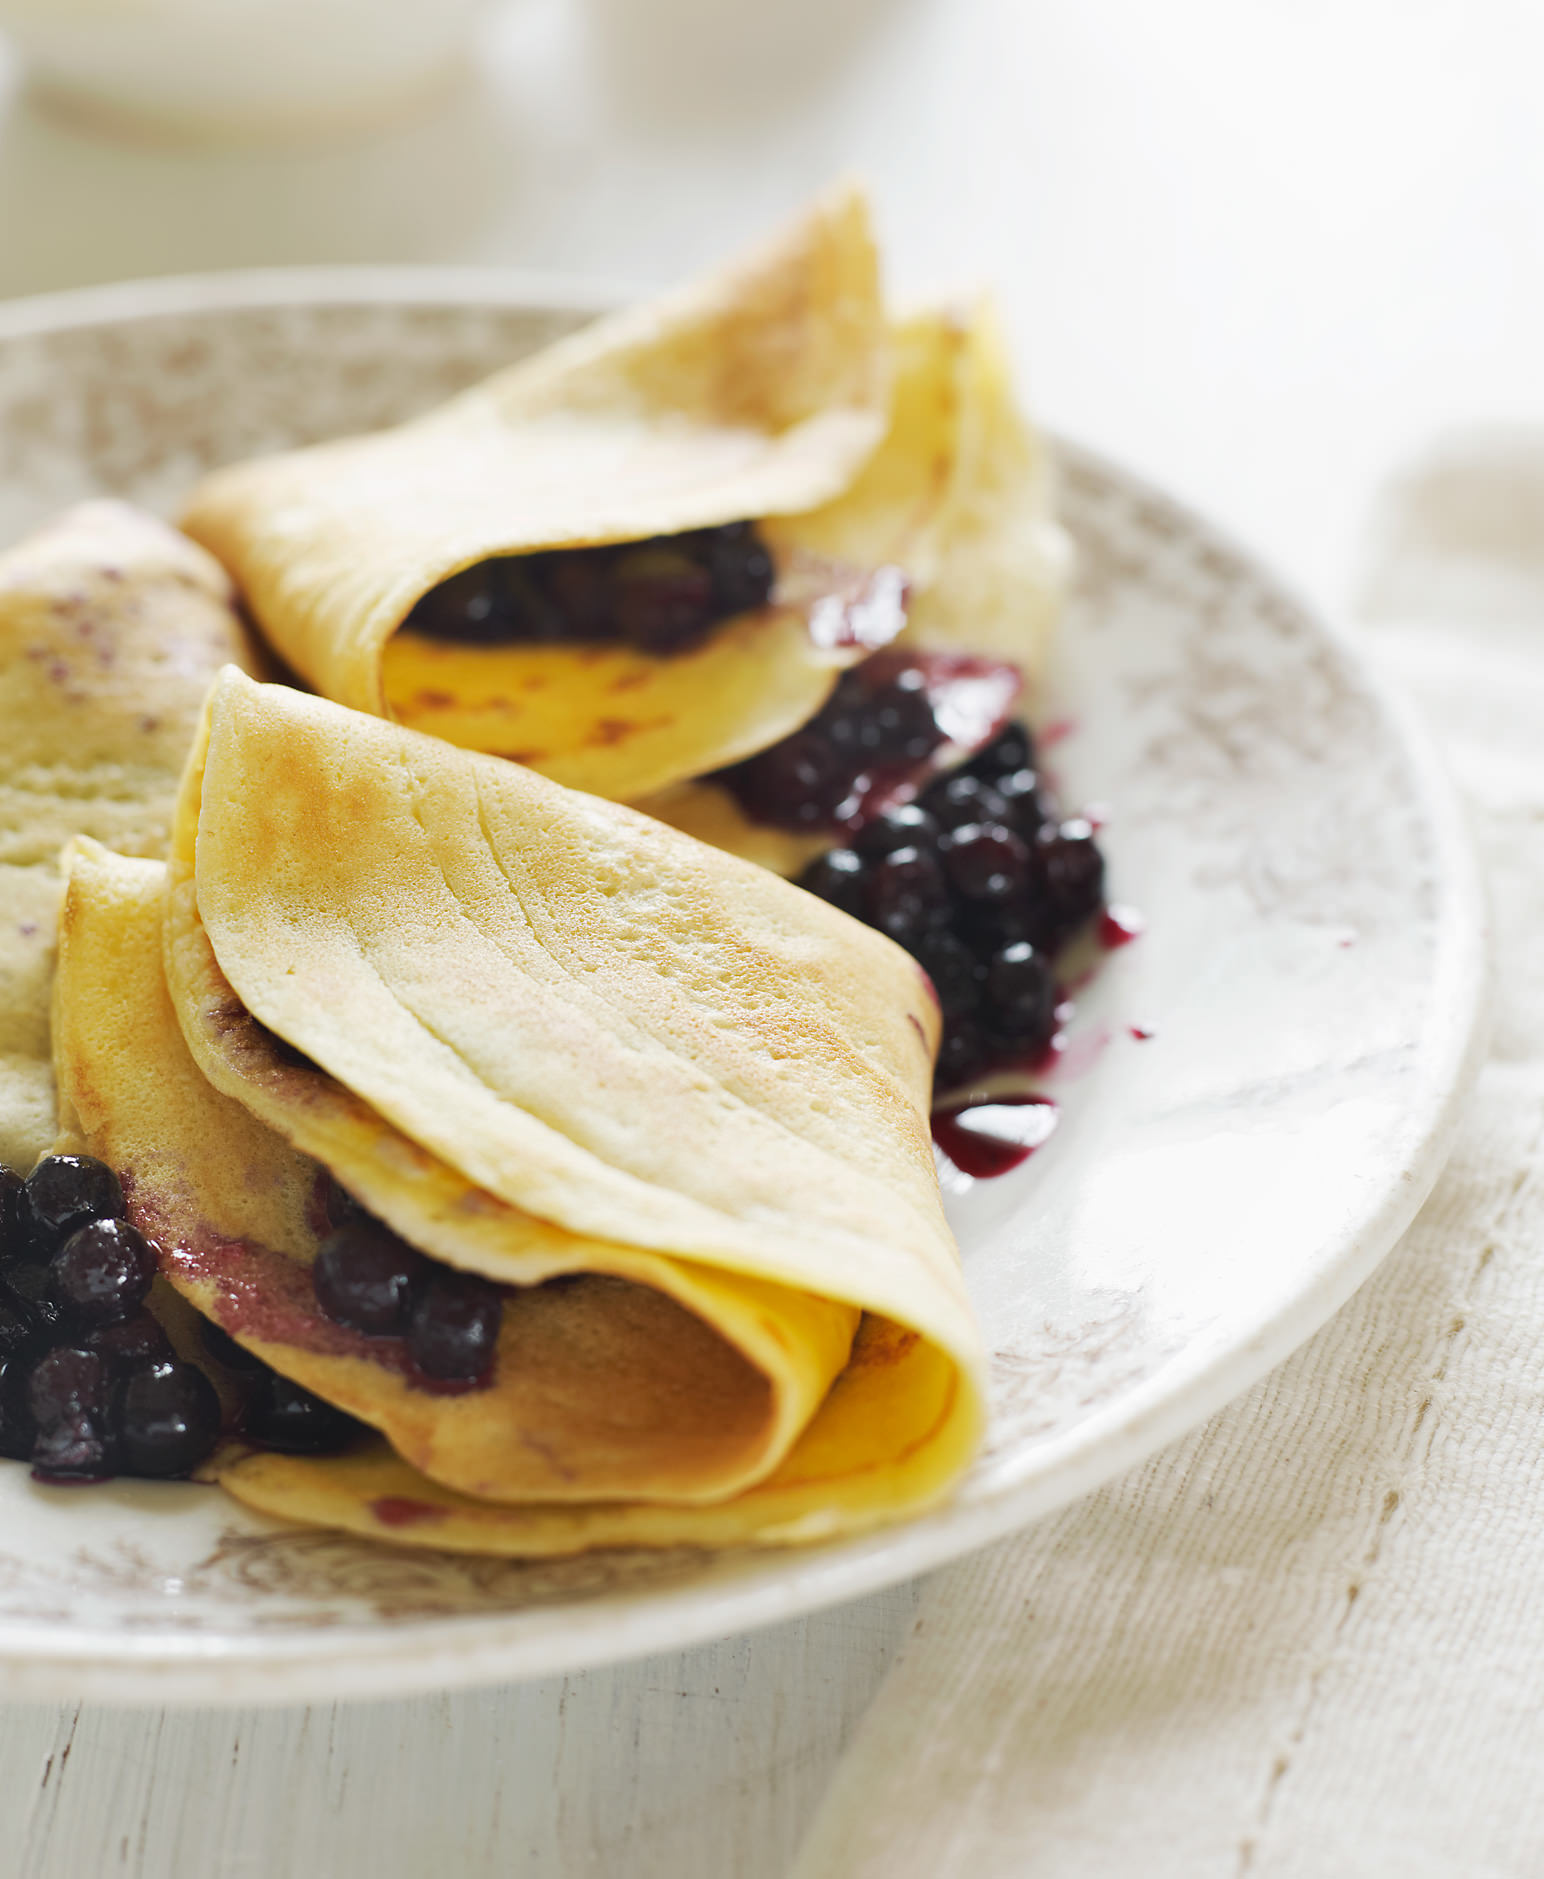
(90, 1386)
(985, 1139)
(662, 596)
(983, 881)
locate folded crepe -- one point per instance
(111, 627)
(675, 1106)
(876, 462)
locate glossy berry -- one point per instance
(908, 825)
(281, 1415)
(15, 1218)
(102, 1272)
(961, 1054)
(985, 861)
(168, 1418)
(135, 1340)
(367, 1278)
(455, 1329)
(952, 967)
(1012, 749)
(65, 1191)
(69, 1395)
(961, 800)
(837, 876)
(32, 1287)
(1024, 808)
(224, 1349)
(664, 598)
(1022, 992)
(19, 1329)
(900, 726)
(1071, 871)
(906, 895)
(799, 783)
(741, 568)
(18, 1431)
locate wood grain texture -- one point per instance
(696, 1765)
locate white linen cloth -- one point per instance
(1307, 1642)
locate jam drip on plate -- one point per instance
(992, 1137)
(664, 595)
(983, 881)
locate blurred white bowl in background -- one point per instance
(233, 69)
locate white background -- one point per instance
(1264, 251)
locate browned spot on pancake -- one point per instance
(879, 1344)
(395, 1510)
(521, 756)
(435, 700)
(609, 731)
(537, 682)
(628, 682)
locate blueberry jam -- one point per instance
(663, 596)
(983, 882)
(989, 1138)
(889, 724)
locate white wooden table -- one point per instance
(1262, 251)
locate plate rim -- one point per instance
(361, 1661)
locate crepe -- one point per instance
(959, 494)
(539, 1035)
(111, 627)
(757, 393)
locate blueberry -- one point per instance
(900, 727)
(906, 895)
(960, 1055)
(741, 568)
(282, 1415)
(957, 801)
(168, 1419)
(31, 1286)
(1012, 749)
(985, 862)
(15, 1216)
(18, 1432)
(800, 783)
(19, 1328)
(227, 1352)
(1025, 807)
(581, 589)
(455, 1329)
(135, 1340)
(906, 826)
(952, 967)
(65, 1191)
(102, 1272)
(367, 1278)
(837, 876)
(1071, 874)
(1022, 992)
(664, 599)
(69, 1395)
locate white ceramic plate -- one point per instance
(1311, 976)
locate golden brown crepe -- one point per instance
(539, 1035)
(111, 627)
(959, 494)
(758, 393)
